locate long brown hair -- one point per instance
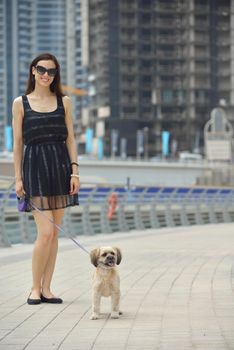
(55, 87)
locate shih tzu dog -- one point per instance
(106, 281)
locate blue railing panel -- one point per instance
(135, 205)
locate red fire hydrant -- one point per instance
(112, 201)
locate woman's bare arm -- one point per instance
(17, 124)
(71, 144)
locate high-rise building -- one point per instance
(15, 36)
(29, 28)
(50, 30)
(3, 101)
(159, 66)
(78, 59)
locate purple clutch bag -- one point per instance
(22, 203)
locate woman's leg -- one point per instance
(49, 268)
(41, 251)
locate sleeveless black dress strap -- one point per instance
(26, 104)
(60, 104)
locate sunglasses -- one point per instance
(42, 70)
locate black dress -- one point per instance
(46, 164)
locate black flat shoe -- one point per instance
(51, 300)
(33, 301)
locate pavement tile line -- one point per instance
(22, 305)
(15, 296)
(54, 318)
(164, 305)
(192, 330)
(167, 297)
(11, 312)
(190, 296)
(142, 300)
(61, 343)
(222, 332)
(18, 325)
(98, 334)
(150, 290)
(72, 329)
(232, 278)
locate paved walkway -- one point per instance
(177, 289)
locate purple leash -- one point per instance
(22, 204)
(60, 228)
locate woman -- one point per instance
(46, 169)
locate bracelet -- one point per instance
(75, 175)
(74, 163)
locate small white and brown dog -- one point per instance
(106, 281)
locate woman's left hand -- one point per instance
(74, 185)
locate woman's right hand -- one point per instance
(19, 189)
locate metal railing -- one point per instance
(138, 208)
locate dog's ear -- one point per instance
(94, 254)
(119, 255)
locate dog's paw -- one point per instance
(94, 317)
(115, 314)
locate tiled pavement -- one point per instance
(177, 288)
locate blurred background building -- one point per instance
(31, 27)
(153, 69)
(160, 65)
